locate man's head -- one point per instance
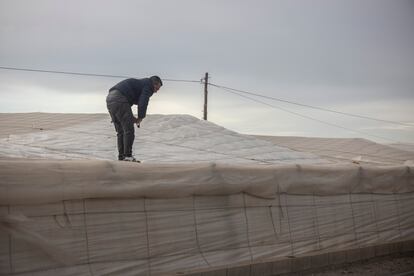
(156, 82)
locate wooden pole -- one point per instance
(205, 96)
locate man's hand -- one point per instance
(138, 121)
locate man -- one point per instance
(119, 101)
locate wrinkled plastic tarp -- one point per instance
(101, 217)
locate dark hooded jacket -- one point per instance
(136, 91)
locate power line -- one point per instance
(305, 116)
(313, 107)
(87, 74)
(231, 90)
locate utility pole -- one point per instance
(205, 96)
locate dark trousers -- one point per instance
(123, 120)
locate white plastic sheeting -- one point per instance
(204, 198)
(100, 217)
(341, 150)
(45, 181)
(161, 139)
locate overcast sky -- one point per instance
(352, 56)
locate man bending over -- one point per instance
(119, 101)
